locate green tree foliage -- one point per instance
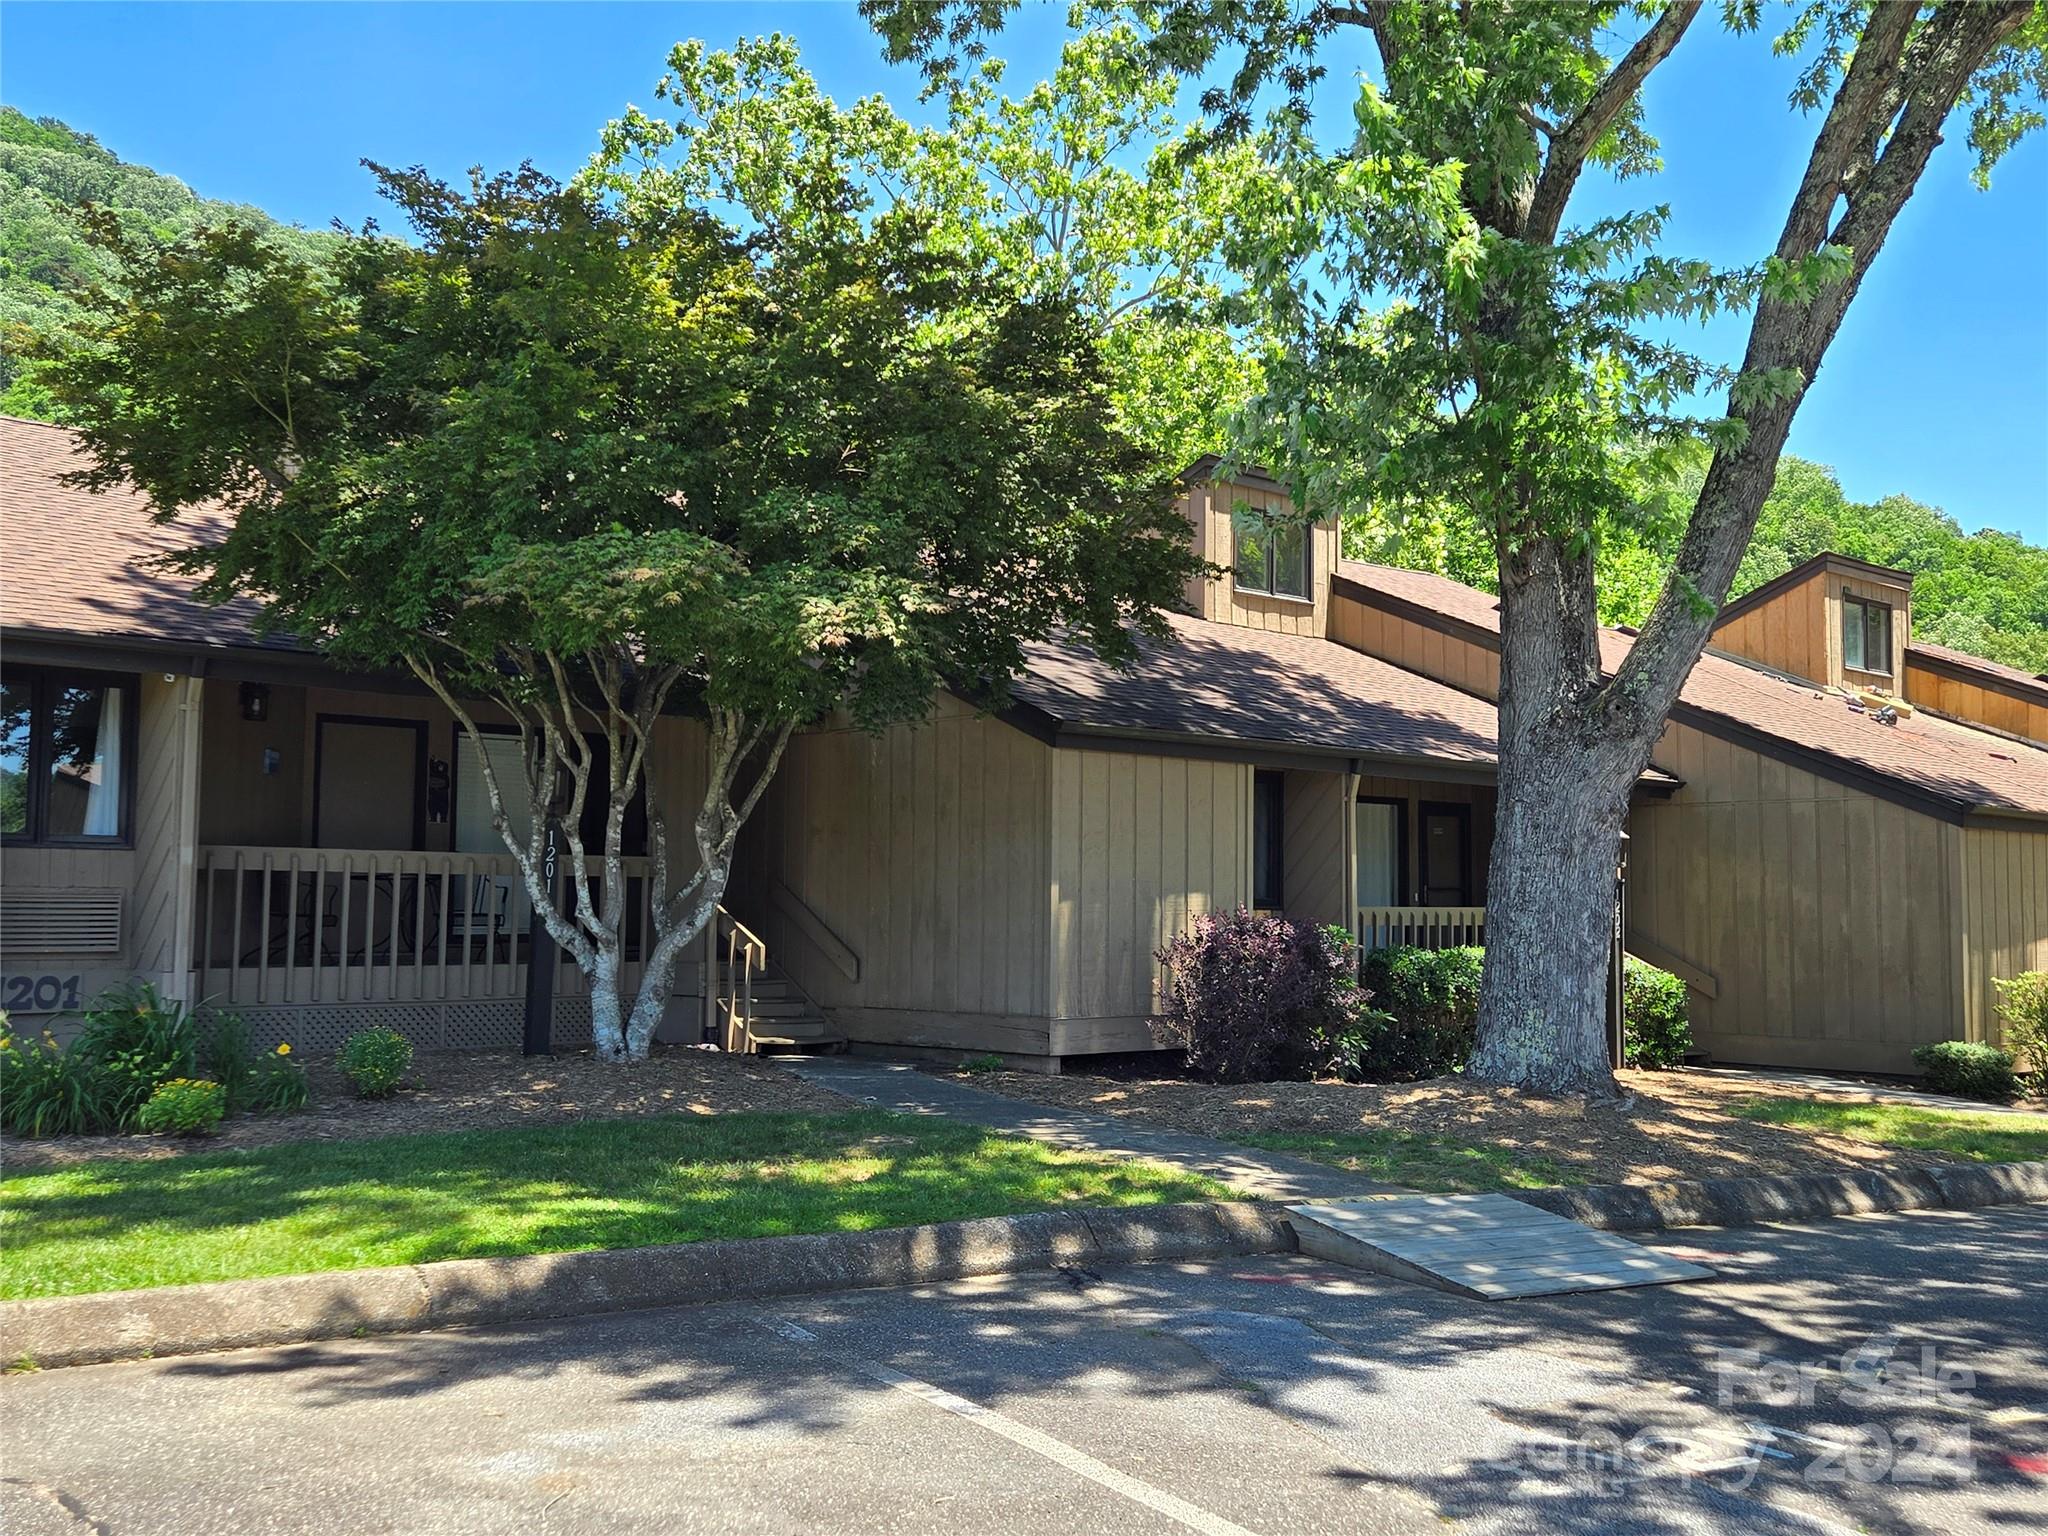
(1985, 593)
(602, 458)
(1084, 189)
(48, 173)
(1449, 341)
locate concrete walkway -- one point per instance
(1265, 1175)
(1861, 1088)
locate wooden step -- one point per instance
(782, 1041)
(810, 1027)
(781, 1008)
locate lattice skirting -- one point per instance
(430, 1026)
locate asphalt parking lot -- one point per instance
(1883, 1374)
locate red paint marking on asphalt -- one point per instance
(2033, 1466)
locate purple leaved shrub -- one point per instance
(1251, 998)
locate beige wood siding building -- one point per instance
(1824, 912)
(1309, 736)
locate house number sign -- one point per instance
(46, 992)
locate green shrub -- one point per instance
(989, 1062)
(1967, 1069)
(230, 1059)
(278, 1084)
(2023, 1005)
(134, 1041)
(1655, 1030)
(184, 1106)
(1425, 1011)
(46, 1090)
(1251, 998)
(375, 1062)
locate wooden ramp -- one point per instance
(1487, 1246)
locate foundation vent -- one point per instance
(60, 922)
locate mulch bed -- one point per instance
(464, 1091)
(1668, 1125)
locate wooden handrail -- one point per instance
(1701, 981)
(813, 927)
(745, 953)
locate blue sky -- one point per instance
(1937, 386)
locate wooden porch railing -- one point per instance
(1421, 927)
(738, 956)
(284, 926)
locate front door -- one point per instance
(368, 775)
(1446, 854)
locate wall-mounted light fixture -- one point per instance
(256, 701)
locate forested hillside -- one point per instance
(47, 171)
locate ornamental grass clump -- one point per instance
(375, 1062)
(277, 1084)
(47, 1090)
(135, 1041)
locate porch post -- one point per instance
(164, 901)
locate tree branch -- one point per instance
(1574, 142)
(1927, 71)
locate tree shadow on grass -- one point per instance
(595, 1185)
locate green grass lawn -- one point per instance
(1980, 1137)
(1436, 1164)
(113, 1224)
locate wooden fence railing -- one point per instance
(1422, 927)
(343, 925)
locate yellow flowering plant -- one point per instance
(184, 1106)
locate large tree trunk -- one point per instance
(1566, 768)
(1550, 893)
(1571, 745)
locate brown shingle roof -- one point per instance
(1248, 685)
(1967, 768)
(1995, 673)
(77, 563)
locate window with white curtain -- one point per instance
(65, 756)
(1379, 854)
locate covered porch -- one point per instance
(1422, 849)
(346, 874)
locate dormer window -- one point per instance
(1866, 635)
(1272, 558)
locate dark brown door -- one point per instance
(1446, 854)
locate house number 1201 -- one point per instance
(39, 994)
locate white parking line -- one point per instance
(1193, 1516)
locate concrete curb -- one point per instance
(293, 1309)
(1803, 1197)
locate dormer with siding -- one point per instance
(1277, 571)
(1969, 688)
(1832, 620)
